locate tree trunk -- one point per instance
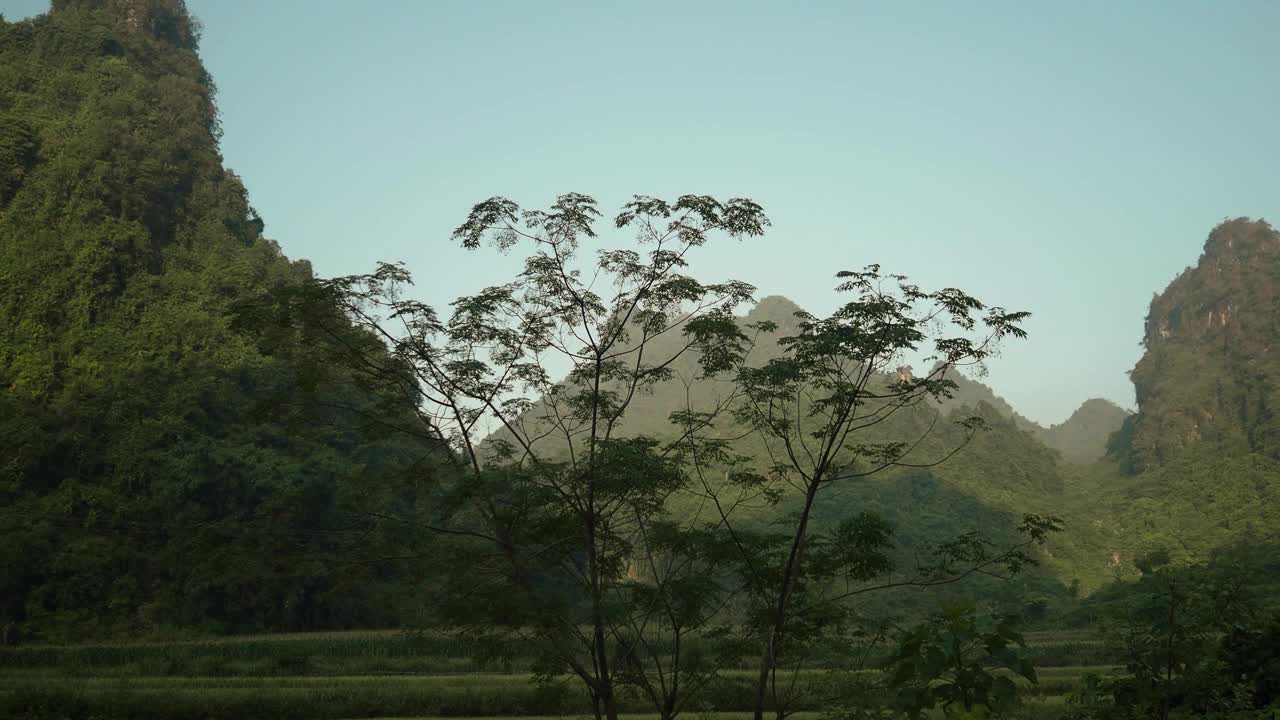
(610, 702)
(769, 657)
(600, 648)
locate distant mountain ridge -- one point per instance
(1080, 439)
(985, 486)
(1083, 437)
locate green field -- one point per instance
(380, 675)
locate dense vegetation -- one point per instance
(199, 438)
(1208, 379)
(160, 470)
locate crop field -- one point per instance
(328, 676)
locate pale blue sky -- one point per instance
(1066, 158)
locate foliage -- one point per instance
(159, 469)
(1207, 376)
(961, 662)
(817, 408)
(553, 543)
(1197, 642)
(183, 453)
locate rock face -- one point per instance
(1209, 373)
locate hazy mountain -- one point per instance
(1004, 472)
(971, 392)
(1081, 438)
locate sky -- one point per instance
(1068, 159)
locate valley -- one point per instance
(601, 485)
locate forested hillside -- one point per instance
(1081, 438)
(158, 468)
(165, 464)
(984, 485)
(1197, 467)
(1210, 374)
(601, 485)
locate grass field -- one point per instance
(329, 676)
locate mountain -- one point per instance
(1003, 473)
(649, 413)
(970, 392)
(1210, 374)
(1198, 467)
(1083, 437)
(159, 467)
(1080, 439)
(164, 467)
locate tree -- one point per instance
(837, 407)
(553, 514)
(955, 659)
(562, 522)
(1170, 634)
(1198, 638)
